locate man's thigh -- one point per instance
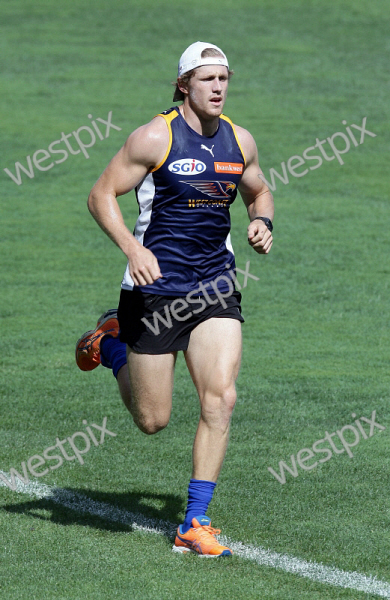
(214, 355)
(151, 381)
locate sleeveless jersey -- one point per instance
(184, 205)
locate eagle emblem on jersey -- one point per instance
(214, 189)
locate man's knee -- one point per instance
(219, 407)
(229, 398)
(150, 425)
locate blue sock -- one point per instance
(200, 493)
(113, 353)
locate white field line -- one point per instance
(311, 570)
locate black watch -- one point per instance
(268, 222)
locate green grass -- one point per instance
(317, 321)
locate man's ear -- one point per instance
(183, 87)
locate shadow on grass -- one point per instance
(127, 512)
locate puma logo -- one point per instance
(203, 147)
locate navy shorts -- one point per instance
(153, 324)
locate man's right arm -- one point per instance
(144, 149)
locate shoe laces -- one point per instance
(206, 530)
(89, 343)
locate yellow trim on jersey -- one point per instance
(235, 135)
(168, 119)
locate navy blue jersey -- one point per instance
(184, 206)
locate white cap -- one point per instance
(192, 58)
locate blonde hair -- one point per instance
(207, 52)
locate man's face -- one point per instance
(207, 90)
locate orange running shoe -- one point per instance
(200, 539)
(88, 346)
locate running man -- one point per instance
(178, 293)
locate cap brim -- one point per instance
(178, 95)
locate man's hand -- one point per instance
(143, 266)
(259, 237)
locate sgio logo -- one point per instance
(187, 166)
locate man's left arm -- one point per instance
(256, 195)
